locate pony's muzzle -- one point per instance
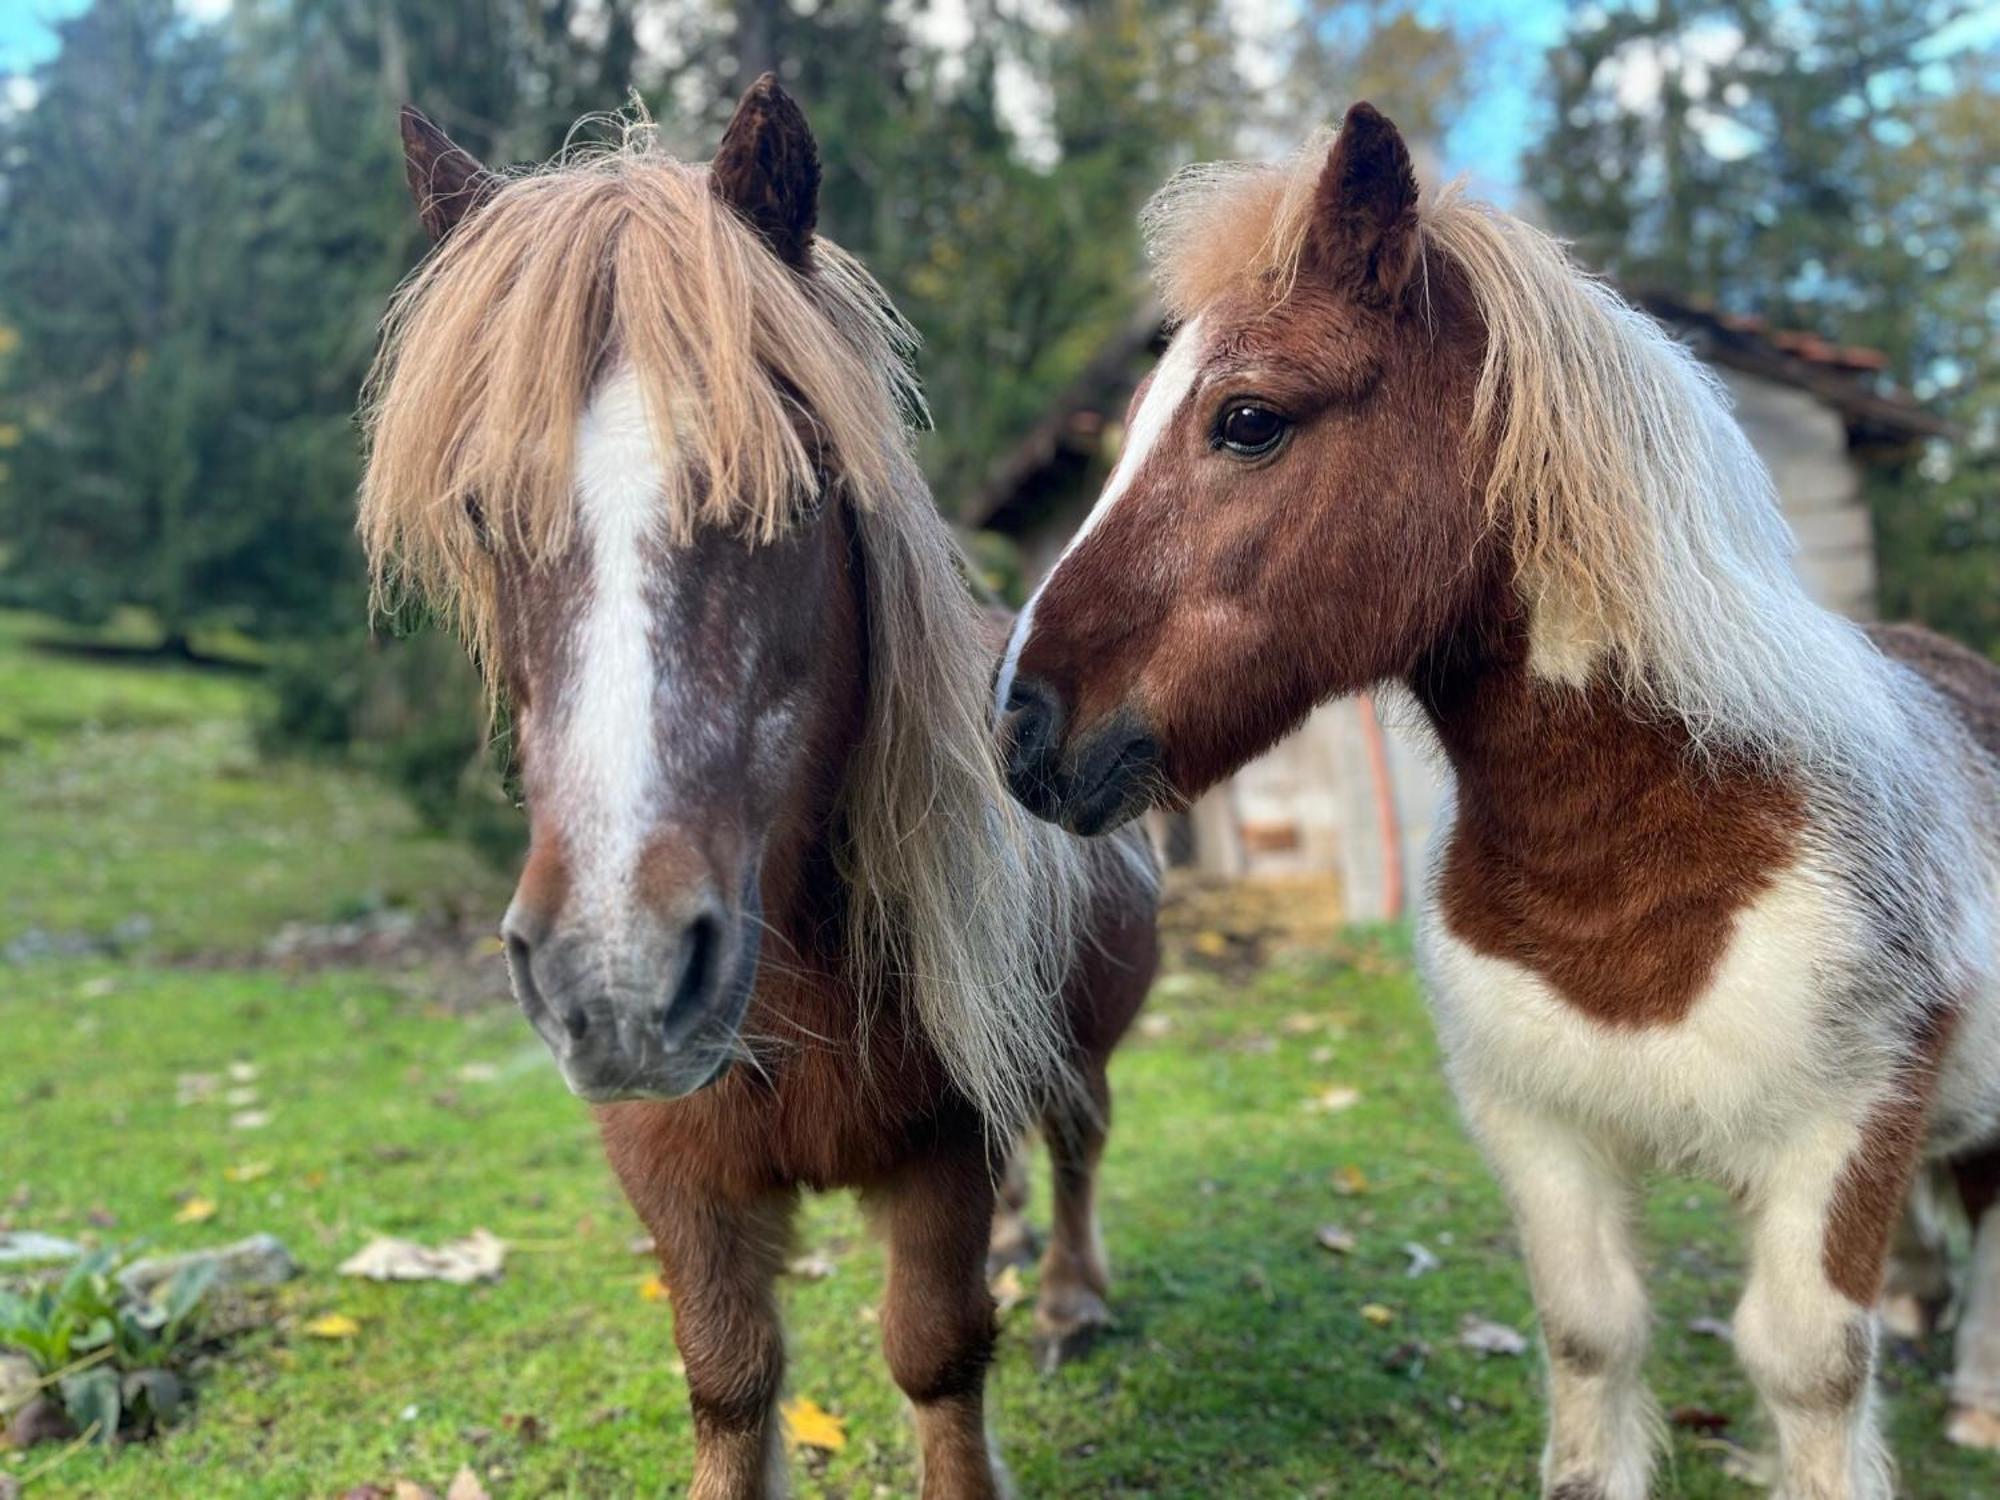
(1090, 782)
(651, 1012)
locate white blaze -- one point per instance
(604, 726)
(1172, 381)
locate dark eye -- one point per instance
(1249, 430)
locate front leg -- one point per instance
(720, 1260)
(1573, 1203)
(937, 1318)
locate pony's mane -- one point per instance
(1644, 529)
(961, 904)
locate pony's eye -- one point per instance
(1249, 430)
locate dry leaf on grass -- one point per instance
(1332, 1101)
(1376, 1313)
(1483, 1336)
(333, 1326)
(1422, 1262)
(810, 1425)
(1155, 1025)
(814, 1267)
(477, 1257)
(250, 1119)
(1008, 1293)
(465, 1485)
(196, 1210)
(1350, 1181)
(652, 1289)
(247, 1171)
(1332, 1237)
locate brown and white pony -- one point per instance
(644, 435)
(1720, 889)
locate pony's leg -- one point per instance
(1975, 1381)
(1012, 1242)
(937, 1316)
(1916, 1286)
(1070, 1308)
(1573, 1203)
(720, 1261)
(1807, 1343)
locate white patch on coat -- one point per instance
(1172, 380)
(606, 740)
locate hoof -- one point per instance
(1012, 1243)
(1067, 1327)
(1970, 1427)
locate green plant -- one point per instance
(107, 1353)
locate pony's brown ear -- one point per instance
(446, 181)
(1364, 231)
(767, 169)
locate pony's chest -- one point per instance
(1749, 1049)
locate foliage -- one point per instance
(109, 1355)
(1830, 167)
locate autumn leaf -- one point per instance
(1482, 1336)
(197, 1210)
(1007, 1291)
(1332, 1101)
(652, 1289)
(1376, 1313)
(465, 1485)
(1350, 1181)
(1334, 1239)
(810, 1425)
(333, 1326)
(247, 1171)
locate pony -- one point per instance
(644, 437)
(1718, 892)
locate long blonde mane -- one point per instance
(962, 907)
(1644, 528)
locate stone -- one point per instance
(260, 1260)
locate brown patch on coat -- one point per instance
(1590, 846)
(1577, 1354)
(767, 169)
(1868, 1197)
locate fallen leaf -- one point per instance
(477, 1072)
(1300, 1022)
(1422, 1262)
(1155, 1025)
(247, 1171)
(1332, 1101)
(476, 1257)
(465, 1485)
(1007, 1290)
(250, 1119)
(641, 1245)
(1376, 1313)
(1483, 1336)
(810, 1425)
(196, 1210)
(312, 1181)
(409, 1489)
(652, 1289)
(243, 1072)
(814, 1267)
(1332, 1237)
(1350, 1181)
(1210, 944)
(333, 1326)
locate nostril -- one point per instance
(703, 941)
(518, 949)
(575, 1022)
(1037, 720)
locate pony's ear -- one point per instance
(446, 181)
(767, 169)
(1363, 236)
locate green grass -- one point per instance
(1242, 1364)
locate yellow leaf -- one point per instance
(247, 1171)
(652, 1289)
(196, 1210)
(1210, 944)
(1350, 1181)
(333, 1326)
(1377, 1314)
(810, 1425)
(313, 1181)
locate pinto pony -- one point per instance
(645, 437)
(1720, 888)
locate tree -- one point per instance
(1830, 167)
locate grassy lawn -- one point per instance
(1247, 1360)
